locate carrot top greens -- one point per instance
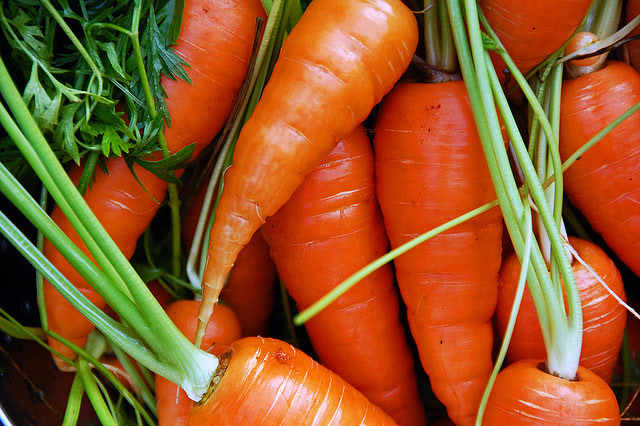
(80, 66)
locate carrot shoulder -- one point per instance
(330, 228)
(216, 38)
(337, 63)
(269, 381)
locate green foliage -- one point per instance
(80, 75)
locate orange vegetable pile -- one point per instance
(346, 156)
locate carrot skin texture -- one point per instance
(224, 328)
(603, 317)
(121, 205)
(430, 169)
(337, 63)
(603, 182)
(330, 228)
(250, 287)
(521, 25)
(525, 395)
(269, 381)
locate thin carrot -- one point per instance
(603, 317)
(335, 65)
(430, 168)
(223, 329)
(250, 287)
(269, 380)
(525, 394)
(602, 182)
(218, 63)
(330, 228)
(523, 25)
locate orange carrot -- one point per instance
(603, 317)
(337, 63)
(223, 329)
(531, 31)
(218, 63)
(250, 287)
(270, 381)
(633, 47)
(524, 394)
(602, 183)
(430, 169)
(330, 228)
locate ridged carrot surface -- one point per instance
(215, 39)
(603, 183)
(430, 169)
(340, 59)
(268, 381)
(330, 228)
(604, 318)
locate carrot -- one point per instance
(633, 47)
(270, 381)
(330, 228)
(430, 169)
(250, 287)
(524, 394)
(218, 62)
(223, 329)
(335, 65)
(531, 31)
(602, 182)
(603, 317)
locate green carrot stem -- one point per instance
(174, 199)
(171, 342)
(93, 392)
(108, 326)
(515, 308)
(74, 401)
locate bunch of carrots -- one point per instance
(453, 214)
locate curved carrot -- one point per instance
(330, 228)
(337, 63)
(531, 31)
(223, 329)
(430, 169)
(272, 382)
(604, 318)
(216, 39)
(524, 394)
(250, 287)
(603, 182)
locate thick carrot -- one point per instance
(250, 287)
(215, 39)
(430, 169)
(603, 182)
(330, 228)
(524, 394)
(270, 382)
(532, 30)
(337, 63)
(604, 317)
(223, 329)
